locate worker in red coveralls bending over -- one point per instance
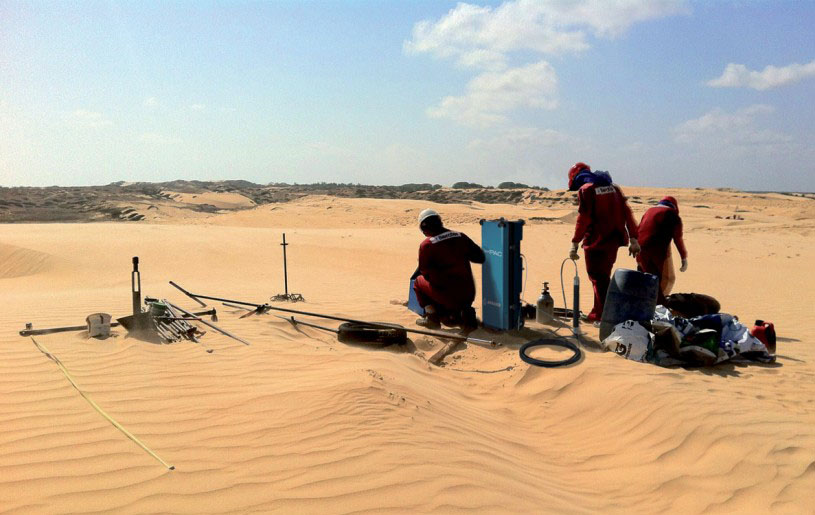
(444, 283)
(604, 223)
(660, 225)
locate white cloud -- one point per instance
(553, 27)
(198, 107)
(483, 59)
(738, 129)
(489, 39)
(150, 102)
(738, 76)
(493, 94)
(82, 118)
(513, 26)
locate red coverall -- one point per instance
(604, 223)
(445, 277)
(659, 225)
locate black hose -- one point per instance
(557, 342)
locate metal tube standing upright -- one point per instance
(285, 271)
(135, 284)
(576, 308)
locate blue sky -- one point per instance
(660, 93)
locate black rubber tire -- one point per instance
(690, 305)
(351, 332)
(550, 341)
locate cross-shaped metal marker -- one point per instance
(290, 297)
(285, 271)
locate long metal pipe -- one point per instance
(265, 307)
(296, 322)
(213, 326)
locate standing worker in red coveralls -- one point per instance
(604, 223)
(659, 225)
(444, 283)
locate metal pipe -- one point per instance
(179, 327)
(185, 292)
(285, 269)
(266, 307)
(576, 308)
(296, 322)
(213, 326)
(30, 331)
(135, 286)
(196, 298)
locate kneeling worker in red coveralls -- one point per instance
(604, 223)
(444, 283)
(660, 225)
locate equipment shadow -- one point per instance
(729, 368)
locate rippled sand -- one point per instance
(298, 422)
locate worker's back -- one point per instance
(444, 260)
(657, 227)
(607, 212)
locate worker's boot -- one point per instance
(430, 320)
(428, 323)
(468, 319)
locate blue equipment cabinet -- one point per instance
(502, 274)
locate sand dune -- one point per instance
(220, 200)
(298, 422)
(20, 262)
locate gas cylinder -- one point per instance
(765, 331)
(545, 310)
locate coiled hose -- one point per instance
(558, 340)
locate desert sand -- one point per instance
(300, 423)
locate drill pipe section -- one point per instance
(264, 308)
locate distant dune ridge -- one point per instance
(300, 423)
(133, 202)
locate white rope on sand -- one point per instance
(117, 425)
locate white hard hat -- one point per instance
(427, 213)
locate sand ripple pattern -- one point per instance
(300, 423)
(20, 262)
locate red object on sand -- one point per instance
(765, 331)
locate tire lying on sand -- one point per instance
(378, 335)
(689, 305)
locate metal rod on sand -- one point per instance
(262, 308)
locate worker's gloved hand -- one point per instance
(684, 265)
(573, 255)
(633, 247)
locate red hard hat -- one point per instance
(672, 201)
(576, 169)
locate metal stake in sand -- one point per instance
(293, 297)
(285, 268)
